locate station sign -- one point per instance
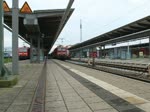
(6, 7)
(93, 54)
(25, 8)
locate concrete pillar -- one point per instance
(128, 51)
(82, 53)
(38, 57)
(149, 47)
(15, 37)
(42, 49)
(79, 54)
(97, 51)
(43, 54)
(115, 53)
(88, 56)
(100, 52)
(1, 37)
(149, 57)
(104, 51)
(93, 58)
(87, 53)
(31, 49)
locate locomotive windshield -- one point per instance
(22, 49)
(61, 49)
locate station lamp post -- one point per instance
(1, 37)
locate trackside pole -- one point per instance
(15, 37)
(1, 37)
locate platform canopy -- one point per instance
(47, 24)
(134, 30)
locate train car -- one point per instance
(61, 53)
(24, 53)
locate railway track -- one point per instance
(132, 70)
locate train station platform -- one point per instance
(19, 98)
(133, 60)
(59, 86)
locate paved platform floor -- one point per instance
(133, 91)
(66, 94)
(136, 87)
(73, 88)
(19, 98)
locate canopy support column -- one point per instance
(104, 51)
(15, 37)
(100, 52)
(31, 49)
(38, 57)
(1, 37)
(128, 51)
(93, 57)
(149, 47)
(88, 56)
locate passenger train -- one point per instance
(24, 53)
(61, 52)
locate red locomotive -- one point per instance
(24, 53)
(61, 52)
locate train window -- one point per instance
(59, 49)
(63, 49)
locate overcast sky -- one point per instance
(98, 16)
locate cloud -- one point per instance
(139, 2)
(42, 4)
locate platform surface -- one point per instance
(73, 88)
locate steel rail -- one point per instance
(122, 71)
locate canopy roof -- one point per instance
(46, 24)
(119, 34)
